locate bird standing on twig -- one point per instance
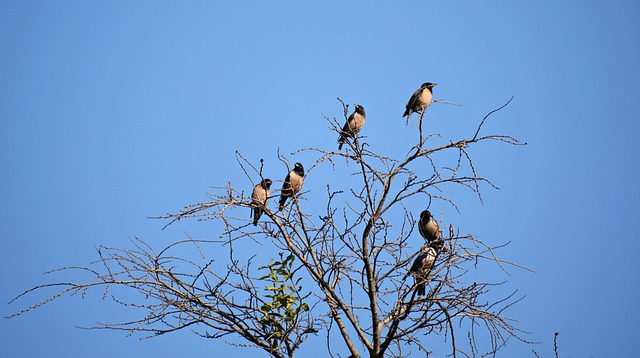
(422, 266)
(420, 100)
(430, 231)
(259, 198)
(292, 184)
(354, 124)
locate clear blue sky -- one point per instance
(115, 111)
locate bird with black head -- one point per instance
(292, 184)
(430, 231)
(354, 124)
(259, 199)
(420, 100)
(422, 266)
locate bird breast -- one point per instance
(425, 98)
(432, 227)
(296, 182)
(357, 123)
(260, 195)
(429, 230)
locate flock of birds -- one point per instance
(427, 225)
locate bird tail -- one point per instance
(421, 289)
(256, 216)
(341, 140)
(407, 114)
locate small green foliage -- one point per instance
(281, 323)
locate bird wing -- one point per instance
(417, 263)
(347, 128)
(257, 198)
(286, 191)
(414, 98)
(422, 230)
(286, 186)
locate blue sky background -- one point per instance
(112, 112)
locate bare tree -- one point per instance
(351, 254)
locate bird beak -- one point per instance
(434, 84)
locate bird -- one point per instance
(422, 266)
(420, 100)
(354, 124)
(429, 230)
(292, 184)
(259, 199)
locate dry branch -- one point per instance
(353, 251)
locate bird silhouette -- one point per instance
(354, 124)
(292, 184)
(422, 266)
(259, 199)
(430, 231)
(420, 100)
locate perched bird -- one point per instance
(430, 230)
(259, 198)
(292, 184)
(422, 266)
(354, 124)
(420, 100)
